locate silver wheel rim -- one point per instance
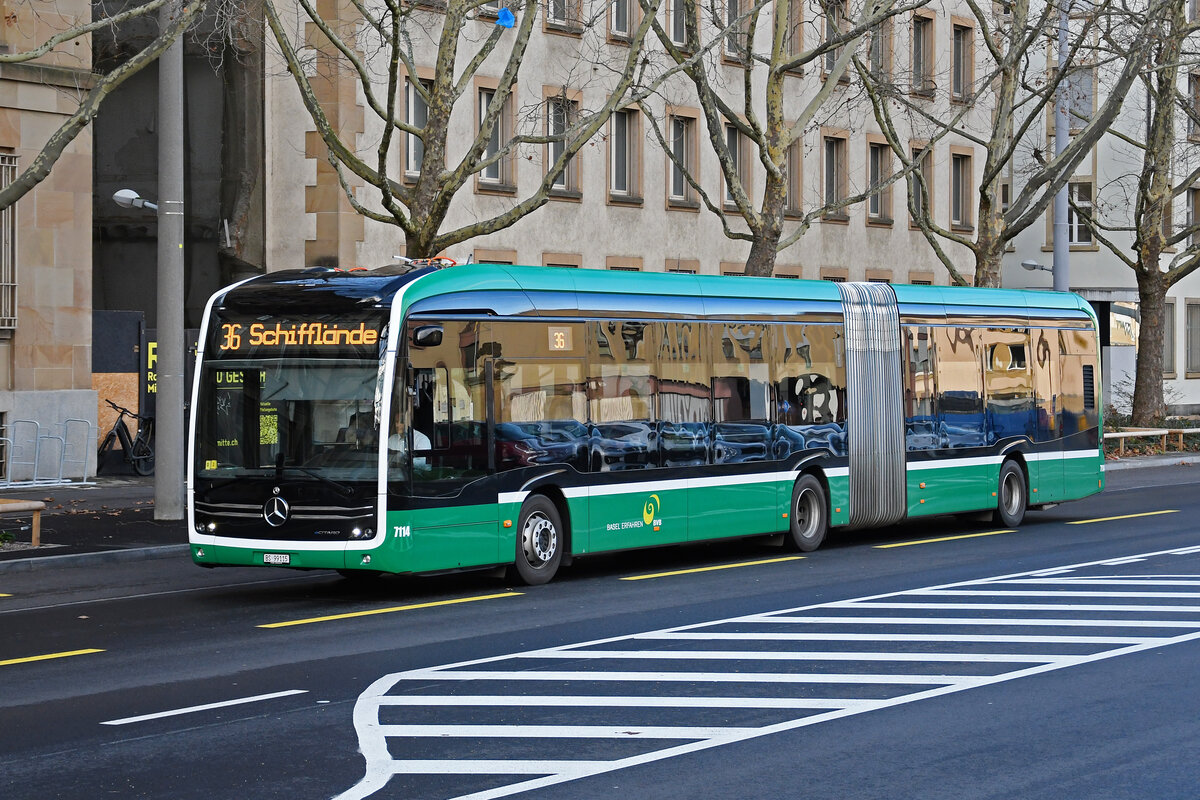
(539, 539)
(807, 513)
(1012, 494)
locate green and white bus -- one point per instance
(423, 418)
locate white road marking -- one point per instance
(206, 707)
(1022, 607)
(586, 717)
(815, 655)
(1060, 593)
(687, 677)
(889, 636)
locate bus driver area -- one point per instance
(421, 419)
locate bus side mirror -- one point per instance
(427, 336)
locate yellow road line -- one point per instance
(943, 539)
(1124, 516)
(2, 594)
(711, 569)
(48, 656)
(391, 610)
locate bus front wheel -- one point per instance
(1012, 496)
(809, 515)
(540, 541)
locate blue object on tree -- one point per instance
(506, 18)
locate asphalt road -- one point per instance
(1049, 664)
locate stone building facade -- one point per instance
(46, 264)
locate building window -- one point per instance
(734, 142)
(1193, 336)
(1079, 195)
(879, 54)
(1168, 326)
(1080, 97)
(498, 173)
(1193, 216)
(960, 190)
(561, 113)
(922, 198)
(794, 43)
(8, 247)
(416, 114)
(922, 55)
(962, 64)
(622, 155)
(795, 161)
(683, 149)
(677, 11)
(835, 24)
(879, 169)
(619, 23)
(735, 44)
(1194, 97)
(563, 13)
(834, 178)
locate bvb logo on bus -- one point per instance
(650, 511)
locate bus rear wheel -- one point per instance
(1012, 497)
(540, 541)
(809, 515)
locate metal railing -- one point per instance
(59, 458)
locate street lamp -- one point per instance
(128, 198)
(1033, 265)
(169, 473)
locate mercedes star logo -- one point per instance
(276, 511)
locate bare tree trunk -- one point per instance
(1148, 406)
(990, 243)
(761, 261)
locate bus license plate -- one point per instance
(276, 558)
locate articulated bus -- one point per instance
(422, 418)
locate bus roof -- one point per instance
(534, 281)
(556, 291)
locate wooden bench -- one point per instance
(25, 507)
(1159, 433)
(1131, 433)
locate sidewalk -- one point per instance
(113, 519)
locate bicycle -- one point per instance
(136, 449)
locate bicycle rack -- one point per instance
(86, 447)
(23, 453)
(18, 449)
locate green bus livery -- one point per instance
(420, 418)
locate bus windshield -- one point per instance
(313, 416)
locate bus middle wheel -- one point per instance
(808, 515)
(540, 541)
(1012, 496)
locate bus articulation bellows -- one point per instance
(416, 418)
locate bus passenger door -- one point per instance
(453, 508)
(1046, 370)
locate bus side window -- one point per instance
(960, 387)
(920, 391)
(621, 395)
(741, 393)
(810, 388)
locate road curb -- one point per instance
(1144, 462)
(36, 563)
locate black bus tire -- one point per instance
(808, 515)
(540, 541)
(1012, 497)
